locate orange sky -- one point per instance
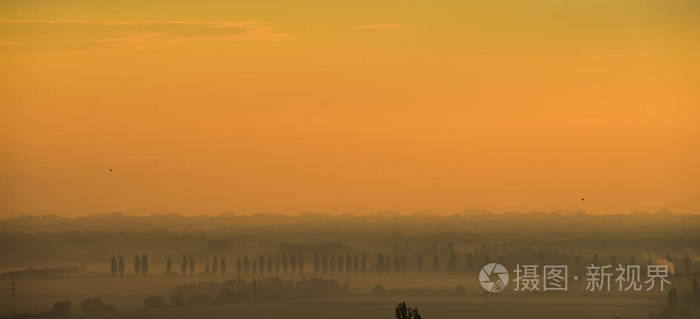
(348, 106)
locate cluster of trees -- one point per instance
(89, 306)
(403, 311)
(186, 265)
(140, 265)
(217, 266)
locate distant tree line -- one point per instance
(401, 260)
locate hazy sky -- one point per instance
(348, 106)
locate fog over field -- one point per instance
(395, 159)
(340, 266)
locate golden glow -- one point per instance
(348, 106)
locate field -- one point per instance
(430, 262)
(127, 295)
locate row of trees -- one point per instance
(293, 263)
(329, 263)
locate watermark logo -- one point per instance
(493, 277)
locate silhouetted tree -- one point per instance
(355, 264)
(293, 263)
(332, 263)
(324, 263)
(121, 266)
(470, 260)
(239, 267)
(316, 264)
(246, 265)
(183, 266)
(215, 265)
(113, 266)
(222, 265)
(144, 265)
(436, 264)
(191, 266)
(168, 265)
(452, 261)
(301, 264)
(285, 263)
(406, 312)
(137, 264)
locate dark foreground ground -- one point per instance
(127, 296)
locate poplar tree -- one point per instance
(137, 265)
(113, 266)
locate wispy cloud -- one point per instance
(379, 26)
(138, 33)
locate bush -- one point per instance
(154, 302)
(61, 308)
(96, 306)
(378, 289)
